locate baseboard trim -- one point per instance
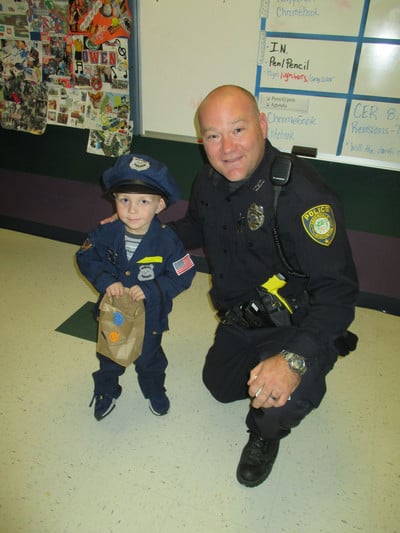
(379, 302)
(42, 230)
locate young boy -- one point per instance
(138, 252)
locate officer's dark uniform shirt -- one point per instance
(235, 229)
(160, 266)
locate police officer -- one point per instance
(253, 230)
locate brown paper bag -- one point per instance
(121, 329)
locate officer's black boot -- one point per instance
(257, 460)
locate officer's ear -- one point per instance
(263, 124)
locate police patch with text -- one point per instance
(319, 223)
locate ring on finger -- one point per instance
(258, 392)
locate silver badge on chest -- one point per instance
(255, 216)
(146, 272)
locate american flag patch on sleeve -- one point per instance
(182, 265)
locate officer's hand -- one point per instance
(272, 382)
(115, 289)
(136, 293)
(109, 219)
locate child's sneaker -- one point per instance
(159, 404)
(103, 404)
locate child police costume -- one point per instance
(160, 266)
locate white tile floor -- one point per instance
(62, 471)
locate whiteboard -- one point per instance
(328, 77)
(187, 48)
(326, 73)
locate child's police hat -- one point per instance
(141, 174)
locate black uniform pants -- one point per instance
(150, 368)
(234, 354)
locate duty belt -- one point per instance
(256, 313)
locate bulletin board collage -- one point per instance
(66, 63)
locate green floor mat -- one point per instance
(81, 324)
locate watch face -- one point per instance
(296, 362)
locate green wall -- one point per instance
(371, 196)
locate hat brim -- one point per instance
(137, 187)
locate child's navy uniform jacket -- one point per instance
(160, 266)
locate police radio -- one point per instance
(282, 165)
(281, 170)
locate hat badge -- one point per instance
(139, 164)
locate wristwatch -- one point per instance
(296, 362)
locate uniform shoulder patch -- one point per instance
(183, 264)
(319, 223)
